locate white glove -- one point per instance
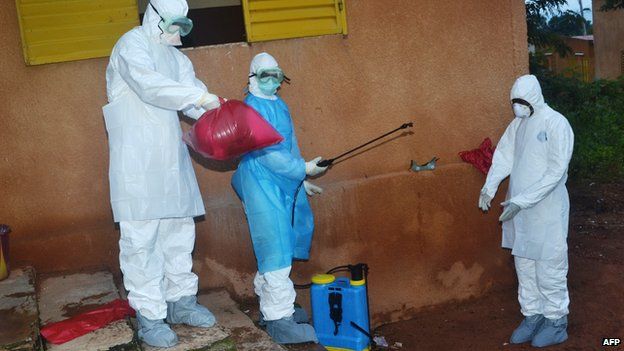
(510, 211)
(313, 169)
(312, 189)
(484, 201)
(208, 102)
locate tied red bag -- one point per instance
(230, 131)
(69, 329)
(481, 158)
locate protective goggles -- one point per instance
(523, 102)
(173, 24)
(265, 75)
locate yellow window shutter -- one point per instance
(281, 19)
(66, 30)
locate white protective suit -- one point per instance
(535, 153)
(276, 293)
(153, 189)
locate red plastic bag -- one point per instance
(481, 158)
(69, 329)
(230, 131)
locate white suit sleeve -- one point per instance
(502, 162)
(188, 77)
(560, 146)
(138, 70)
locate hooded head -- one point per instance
(526, 96)
(262, 61)
(158, 11)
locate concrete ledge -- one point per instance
(19, 318)
(65, 296)
(199, 339)
(244, 332)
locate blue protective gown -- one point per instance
(266, 181)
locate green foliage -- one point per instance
(595, 110)
(538, 31)
(596, 113)
(570, 23)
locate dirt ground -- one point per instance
(595, 280)
(596, 283)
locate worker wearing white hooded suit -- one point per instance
(534, 152)
(153, 189)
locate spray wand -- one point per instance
(329, 162)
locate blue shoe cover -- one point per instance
(155, 332)
(287, 331)
(527, 329)
(300, 316)
(553, 331)
(189, 312)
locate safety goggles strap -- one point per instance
(523, 102)
(285, 78)
(158, 13)
(185, 25)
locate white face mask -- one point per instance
(172, 39)
(521, 111)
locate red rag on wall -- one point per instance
(230, 131)
(69, 329)
(481, 158)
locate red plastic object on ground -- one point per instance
(481, 158)
(230, 131)
(69, 329)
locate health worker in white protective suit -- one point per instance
(153, 189)
(535, 152)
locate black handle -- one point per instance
(363, 331)
(325, 163)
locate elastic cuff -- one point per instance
(277, 315)
(555, 316)
(518, 202)
(150, 314)
(206, 98)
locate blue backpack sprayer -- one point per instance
(340, 311)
